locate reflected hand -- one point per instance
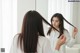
(60, 41)
(74, 32)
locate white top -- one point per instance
(42, 47)
(53, 37)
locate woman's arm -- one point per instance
(70, 41)
(75, 31)
(13, 48)
(60, 42)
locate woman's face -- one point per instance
(55, 22)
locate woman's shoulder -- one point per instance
(15, 38)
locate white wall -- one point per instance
(22, 7)
(0, 23)
(8, 26)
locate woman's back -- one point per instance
(43, 45)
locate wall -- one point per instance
(0, 23)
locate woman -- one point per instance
(32, 38)
(57, 22)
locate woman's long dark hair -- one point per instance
(32, 28)
(61, 25)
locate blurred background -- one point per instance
(13, 11)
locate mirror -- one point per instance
(69, 9)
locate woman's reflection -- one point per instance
(57, 21)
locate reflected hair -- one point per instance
(61, 25)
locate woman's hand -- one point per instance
(60, 42)
(74, 32)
